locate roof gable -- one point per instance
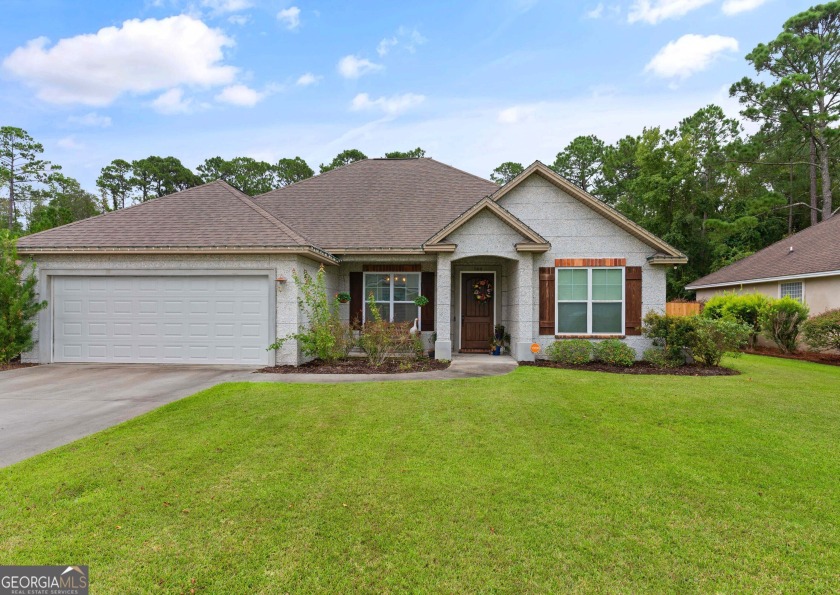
(813, 250)
(667, 253)
(534, 242)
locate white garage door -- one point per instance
(189, 320)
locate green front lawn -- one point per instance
(543, 480)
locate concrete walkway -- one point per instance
(464, 365)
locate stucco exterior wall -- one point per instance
(820, 293)
(287, 316)
(576, 231)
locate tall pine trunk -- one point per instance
(812, 170)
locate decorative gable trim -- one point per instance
(606, 211)
(534, 241)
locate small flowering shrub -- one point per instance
(615, 352)
(570, 351)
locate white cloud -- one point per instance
(392, 106)
(223, 6)
(595, 13)
(654, 11)
(90, 119)
(406, 38)
(70, 143)
(239, 19)
(731, 7)
(515, 114)
(352, 67)
(689, 54)
(307, 79)
(290, 17)
(240, 95)
(138, 57)
(385, 45)
(172, 102)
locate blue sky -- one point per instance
(474, 83)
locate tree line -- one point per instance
(705, 185)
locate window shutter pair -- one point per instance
(358, 297)
(632, 300)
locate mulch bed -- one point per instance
(14, 365)
(359, 365)
(638, 368)
(831, 359)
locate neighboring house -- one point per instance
(804, 266)
(204, 275)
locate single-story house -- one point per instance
(204, 275)
(804, 266)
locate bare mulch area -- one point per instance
(14, 365)
(638, 368)
(359, 365)
(831, 359)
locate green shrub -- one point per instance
(780, 320)
(18, 302)
(673, 334)
(658, 357)
(615, 352)
(325, 336)
(715, 337)
(823, 331)
(380, 339)
(570, 351)
(745, 308)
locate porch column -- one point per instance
(443, 307)
(523, 309)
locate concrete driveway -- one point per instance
(46, 406)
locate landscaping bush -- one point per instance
(673, 334)
(715, 337)
(325, 336)
(18, 303)
(660, 359)
(780, 320)
(615, 352)
(380, 339)
(745, 308)
(570, 351)
(823, 331)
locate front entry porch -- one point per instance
(484, 292)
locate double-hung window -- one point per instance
(394, 294)
(590, 301)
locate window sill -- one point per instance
(590, 336)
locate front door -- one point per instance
(478, 296)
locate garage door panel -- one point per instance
(161, 319)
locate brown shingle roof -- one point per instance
(377, 203)
(213, 215)
(815, 250)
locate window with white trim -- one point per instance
(394, 294)
(791, 290)
(590, 301)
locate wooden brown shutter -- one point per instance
(547, 302)
(357, 298)
(633, 300)
(427, 312)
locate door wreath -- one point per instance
(482, 290)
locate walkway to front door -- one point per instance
(477, 314)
